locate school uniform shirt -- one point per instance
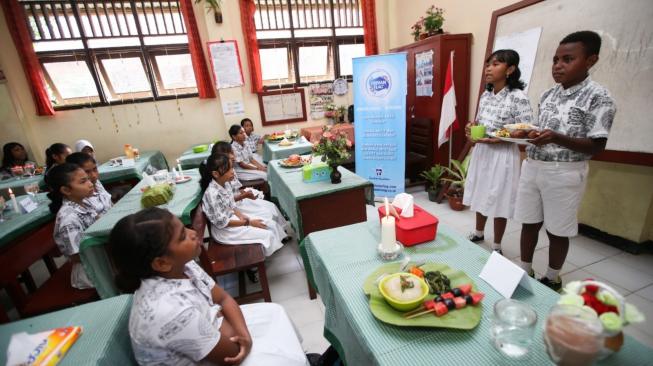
(100, 200)
(72, 219)
(174, 321)
(244, 154)
(505, 107)
(585, 110)
(218, 204)
(252, 141)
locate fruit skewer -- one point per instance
(443, 307)
(459, 291)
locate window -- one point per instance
(99, 52)
(307, 41)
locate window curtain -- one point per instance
(247, 10)
(205, 87)
(369, 27)
(15, 18)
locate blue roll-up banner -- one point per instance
(380, 115)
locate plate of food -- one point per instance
(520, 126)
(275, 137)
(521, 137)
(426, 295)
(286, 142)
(293, 161)
(182, 179)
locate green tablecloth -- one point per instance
(149, 161)
(341, 260)
(92, 249)
(190, 160)
(274, 151)
(287, 187)
(16, 224)
(17, 184)
(105, 334)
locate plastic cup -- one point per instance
(477, 132)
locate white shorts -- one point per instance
(550, 192)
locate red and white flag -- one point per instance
(448, 121)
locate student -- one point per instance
(56, 154)
(575, 117)
(246, 199)
(85, 147)
(493, 177)
(253, 140)
(179, 315)
(247, 167)
(70, 188)
(13, 154)
(228, 224)
(101, 199)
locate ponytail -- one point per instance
(59, 176)
(216, 162)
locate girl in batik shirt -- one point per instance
(246, 166)
(101, 199)
(493, 175)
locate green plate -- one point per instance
(465, 318)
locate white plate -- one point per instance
(520, 126)
(183, 179)
(513, 140)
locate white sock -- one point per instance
(526, 266)
(552, 274)
(496, 246)
(478, 233)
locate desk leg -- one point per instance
(311, 291)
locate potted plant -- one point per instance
(433, 20)
(340, 113)
(330, 113)
(334, 148)
(417, 29)
(456, 177)
(433, 176)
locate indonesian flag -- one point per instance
(448, 121)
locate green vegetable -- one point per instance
(438, 283)
(571, 299)
(607, 298)
(633, 315)
(611, 322)
(156, 195)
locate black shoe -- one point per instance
(531, 273)
(252, 274)
(473, 238)
(498, 251)
(313, 358)
(286, 239)
(553, 285)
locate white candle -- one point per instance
(388, 238)
(13, 201)
(387, 209)
(181, 172)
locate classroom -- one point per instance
(326, 182)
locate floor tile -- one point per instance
(642, 262)
(541, 262)
(647, 293)
(646, 308)
(629, 278)
(303, 310)
(282, 262)
(581, 274)
(288, 286)
(313, 340)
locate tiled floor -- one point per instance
(631, 275)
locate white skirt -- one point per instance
(492, 180)
(275, 341)
(270, 238)
(250, 174)
(263, 209)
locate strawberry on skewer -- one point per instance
(442, 307)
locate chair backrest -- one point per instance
(420, 137)
(21, 256)
(199, 223)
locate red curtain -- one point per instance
(20, 34)
(369, 27)
(247, 10)
(205, 87)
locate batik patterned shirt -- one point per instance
(72, 219)
(502, 108)
(252, 142)
(585, 110)
(218, 205)
(100, 200)
(242, 152)
(175, 321)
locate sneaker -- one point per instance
(252, 274)
(473, 238)
(553, 285)
(314, 359)
(531, 273)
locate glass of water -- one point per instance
(3, 205)
(513, 327)
(29, 168)
(32, 189)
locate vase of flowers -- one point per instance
(428, 25)
(334, 149)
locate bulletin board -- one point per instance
(282, 106)
(624, 66)
(225, 64)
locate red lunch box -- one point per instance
(420, 228)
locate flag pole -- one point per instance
(453, 53)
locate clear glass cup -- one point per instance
(17, 171)
(513, 327)
(32, 189)
(29, 168)
(573, 335)
(3, 205)
(160, 177)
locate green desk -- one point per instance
(191, 160)
(92, 249)
(18, 225)
(105, 334)
(149, 161)
(272, 151)
(342, 258)
(17, 184)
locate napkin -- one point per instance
(147, 179)
(405, 202)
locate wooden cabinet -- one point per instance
(419, 108)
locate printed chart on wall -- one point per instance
(225, 63)
(525, 43)
(320, 95)
(424, 74)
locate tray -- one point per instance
(465, 318)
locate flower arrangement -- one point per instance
(333, 146)
(429, 24)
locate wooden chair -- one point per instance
(419, 147)
(221, 259)
(56, 292)
(259, 184)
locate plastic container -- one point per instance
(420, 228)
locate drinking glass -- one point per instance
(17, 171)
(32, 189)
(513, 325)
(3, 204)
(29, 168)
